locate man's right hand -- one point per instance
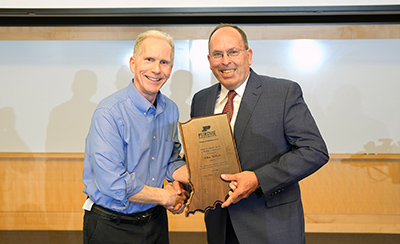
(181, 197)
(173, 196)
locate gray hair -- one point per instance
(156, 34)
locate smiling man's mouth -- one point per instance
(228, 71)
(153, 79)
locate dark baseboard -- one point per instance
(352, 238)
(75, 237)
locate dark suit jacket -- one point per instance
(277, 138)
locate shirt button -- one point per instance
(154, 137)
(152, 158)
(144, 113)
(152, 179)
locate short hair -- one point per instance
(241, 32)
(156, 34)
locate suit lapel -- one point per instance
(247, 105)
(211, 99)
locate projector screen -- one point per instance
(49, 89)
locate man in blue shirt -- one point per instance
(132, 146)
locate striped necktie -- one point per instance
(229, 104)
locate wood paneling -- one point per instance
(191, 32)
(352, 193)
(41, 191)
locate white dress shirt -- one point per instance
(223, 98)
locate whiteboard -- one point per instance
(49, 89)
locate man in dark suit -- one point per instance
(277, 140)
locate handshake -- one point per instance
(181, 193)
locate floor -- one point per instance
(74, 237)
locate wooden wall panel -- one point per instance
(41, 191)
(352, 193)
(195, 32)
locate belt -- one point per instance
(135, 218)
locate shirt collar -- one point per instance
(142, 103)
(239, 90)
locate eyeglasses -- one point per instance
(234, 52)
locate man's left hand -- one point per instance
(242, 185)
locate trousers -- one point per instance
(98, 230)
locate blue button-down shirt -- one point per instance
(130, 144)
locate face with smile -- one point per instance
(152, 66)
(230, 71)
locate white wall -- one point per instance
(48, 89)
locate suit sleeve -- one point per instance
(305, 151)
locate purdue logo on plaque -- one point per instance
(210, 151)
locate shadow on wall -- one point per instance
(181, 84)
(66, 132)
(124, 76)
(9, 137)
(347, 125)
(385, 145)
(385, 169)
(69, 122)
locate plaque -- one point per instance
(210, 151)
